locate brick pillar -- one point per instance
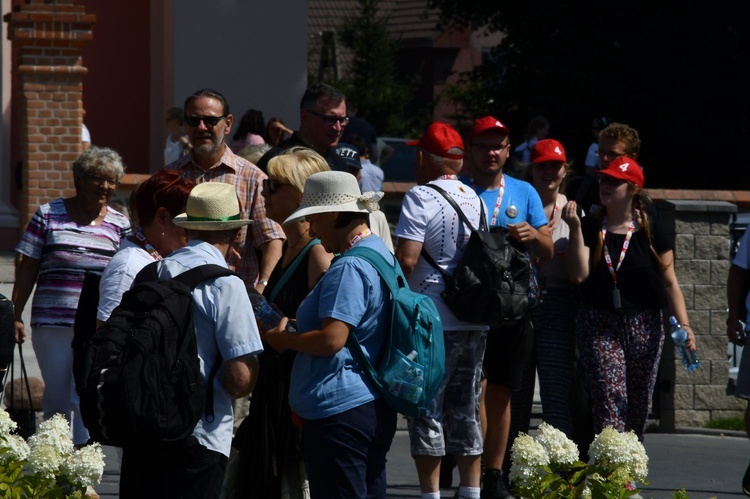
(48, 38)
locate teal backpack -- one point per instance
(412, 366)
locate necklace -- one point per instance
(84, 216)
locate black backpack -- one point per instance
(140, 381)
(491, 282)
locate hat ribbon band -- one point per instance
(208, 219)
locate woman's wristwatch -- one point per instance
(263, 282)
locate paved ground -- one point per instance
(705, 463)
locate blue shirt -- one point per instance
(224, 322)
(519, 195)
(350, 291)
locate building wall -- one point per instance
(255, 53)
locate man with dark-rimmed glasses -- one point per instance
(322, 115)
(209, 122)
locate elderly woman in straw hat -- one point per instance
(348, 428)
(226, 331)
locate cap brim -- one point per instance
(412, 142)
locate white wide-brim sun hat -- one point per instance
(211, 206)
(334, 191)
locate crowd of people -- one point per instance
(277, 206)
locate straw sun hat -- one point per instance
(334, 191)
(211, 206)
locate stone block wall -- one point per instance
(702, 248)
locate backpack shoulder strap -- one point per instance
(462, 216)
(148, 273)
(391, 274)
(459, 211)
(290, 270)
(191, 278)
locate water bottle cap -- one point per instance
(672, 320)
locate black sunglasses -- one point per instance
(208, 120)
(272, 185)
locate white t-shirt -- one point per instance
(118, 275)
(85, 134)
(427, 217)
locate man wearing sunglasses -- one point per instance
(208, 123)
(322, 114)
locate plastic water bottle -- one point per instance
(264, 311)
(680, 336)
(405, 381)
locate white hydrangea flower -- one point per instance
(45, 460)
(613, 450)
(559, 447)
(86, 466)
(55, 433)
(7, 425)
(14, 448)
(586, 493)
(528, 457)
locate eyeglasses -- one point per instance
(607, 180)
(102, 180)
(272, 185)
(208, 120)
(609, 154)
(330, 120)
(489, 147)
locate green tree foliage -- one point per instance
(672, 70)
(371, 78)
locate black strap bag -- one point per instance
(491, 282)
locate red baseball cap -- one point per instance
(548, 150)
(438, 139)
(624, 168)
(487, 123)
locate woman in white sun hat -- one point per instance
(347, 427)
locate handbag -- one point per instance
(20, 409)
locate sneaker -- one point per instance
(746, 481)
(493, 486)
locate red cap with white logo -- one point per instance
(624, 168)
(548, 150)
(487, 123)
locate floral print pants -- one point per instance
(620, 357)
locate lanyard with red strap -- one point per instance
(612, 270)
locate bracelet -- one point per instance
(263, 282)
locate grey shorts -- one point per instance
(452, 422)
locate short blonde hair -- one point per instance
(294, 165)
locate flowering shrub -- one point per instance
(547, 466)
(48, 465)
